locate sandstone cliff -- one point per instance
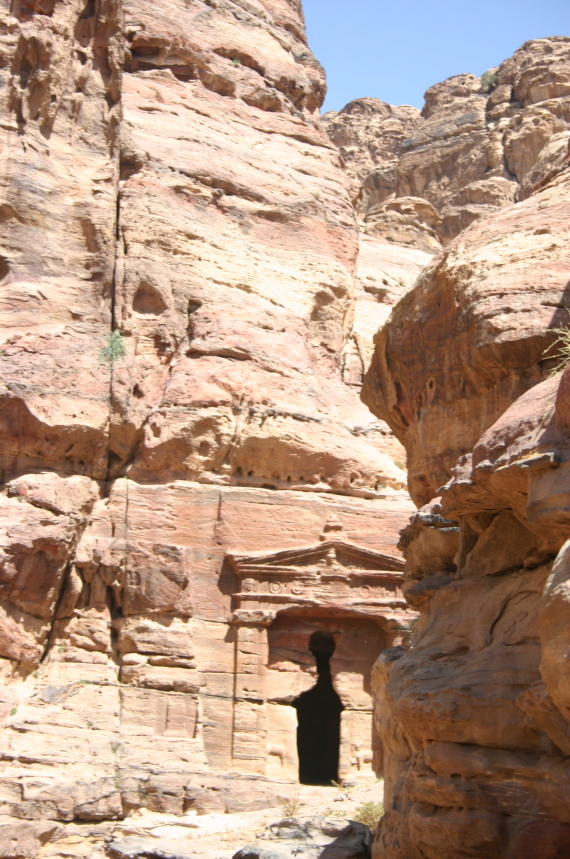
(192, 489)
(474, 717)
(189, 486)
(477, 145)
(420, 178)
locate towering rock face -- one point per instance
(178, 286)
(474, 717)
(472, 334)
(199, 515)
(370, 135)
(478, 145)
(420, 179)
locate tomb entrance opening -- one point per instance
(318, 719)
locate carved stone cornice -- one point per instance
(333, 575)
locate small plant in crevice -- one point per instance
(369, 813)
(236, 61)
(488, 82)
(562, 343)
(13, 711)
(113, 350)
(292, 805)
(406, 630)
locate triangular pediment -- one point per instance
(343, 552)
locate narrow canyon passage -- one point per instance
(318, 714)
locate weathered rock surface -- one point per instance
(476, 715)
(60, 113)
(474, 718)
(146, 848)
(419, 180)
(479, 144)
(190, 488)
(332, 837)
(472, 334)
(370, 135)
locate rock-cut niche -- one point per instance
(148, 301)
(318, 719)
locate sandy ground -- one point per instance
(210, 836)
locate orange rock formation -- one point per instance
(179, 250)
(200, 517)
(474, 718)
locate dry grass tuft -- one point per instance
(562, 343)
(292, 806)
(369, 813)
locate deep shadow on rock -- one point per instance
(318, 838)
(146, 848)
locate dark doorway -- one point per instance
(318, 718)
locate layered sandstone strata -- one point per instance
(474, 718)
(191, 487)
(476, 715)
(419, 179)
(473, 333)
(479, 144)
(178, 284)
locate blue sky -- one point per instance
(395, 51)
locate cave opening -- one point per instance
(318, 719)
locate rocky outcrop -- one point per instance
(199, 516)
(190, 489)
(474, 717)
(420, 179)
(236, 384)
(60, 104)
(479, 144)
(473, 333)
(370, 135)
(318, 837)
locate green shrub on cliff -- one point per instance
(113, 350)
(488, 82)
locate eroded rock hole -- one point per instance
(318, 717)
(148, 301)
(26, 70)
(32, 7)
